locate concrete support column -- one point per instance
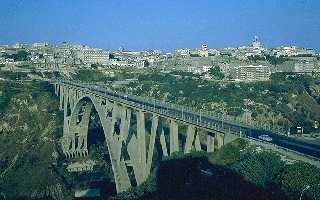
(220, 140)
(73, 143)
(83, 128)
(197, 143)
(189, 139)
(65, 143)
(155, 121)
(124, 129)
(61, 97)
(65, 104)
(125, 122)
(55, 85)
(163, 143)
(85, 144)
(141, 137)
(121, 177)
(174, 140)
(192, 137)
(210, 142)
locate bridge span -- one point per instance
(116, 114)
(131, 144)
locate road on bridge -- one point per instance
(299, 145)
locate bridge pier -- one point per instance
(210, 142)
(220, 140)
(192, 137)
(174, 140)
(128, 150)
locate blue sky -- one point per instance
(161, 24)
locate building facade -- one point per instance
(306, 67)
(252, 73)
(91, 56)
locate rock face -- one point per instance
(29, 128)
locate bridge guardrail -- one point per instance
(169, 108)
(179, 115)
(223, 118)
(283, 148)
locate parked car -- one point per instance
(265, 138)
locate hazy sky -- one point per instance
(161, 24)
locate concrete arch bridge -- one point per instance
(130, 143)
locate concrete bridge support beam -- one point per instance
(174, 140)
(163, 143)
(113, 142)
(141, 146)
(56, 89)
(220, 140)
(210, 142)
(192, 138)
(126, 148)
(61, 97)
(155, 122)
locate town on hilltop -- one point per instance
(245, 63)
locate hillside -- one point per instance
(31, 162)
(239, 170)
(30, 126)
(32, 166)
(282, 103)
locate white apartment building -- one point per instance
(306, 67)
(183, 52)
(293, 51)
(40, 45)
(91, 56)
(251, 73)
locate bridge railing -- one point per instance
(254, 124)
(270, 145)
(223, 119)
(222, 125)
(166, 109)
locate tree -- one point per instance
(19, 56)
(255, 58)
(94, 66)
(216, 72)
(273, 60)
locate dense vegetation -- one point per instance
(286, 100)
(31, 127)
(87, 75)
(19, 56)
(236, 171)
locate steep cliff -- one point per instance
(30, 125)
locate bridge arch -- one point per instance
(75, 138)
(128, 149)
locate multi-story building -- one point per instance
(40, 45)
(225, 68)
(293, 51)
(251, 73)
(206, 69)
(306, 67)
(19, 46)
(253, 49)
(183, 52)
(90, 56)
(203, 51)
